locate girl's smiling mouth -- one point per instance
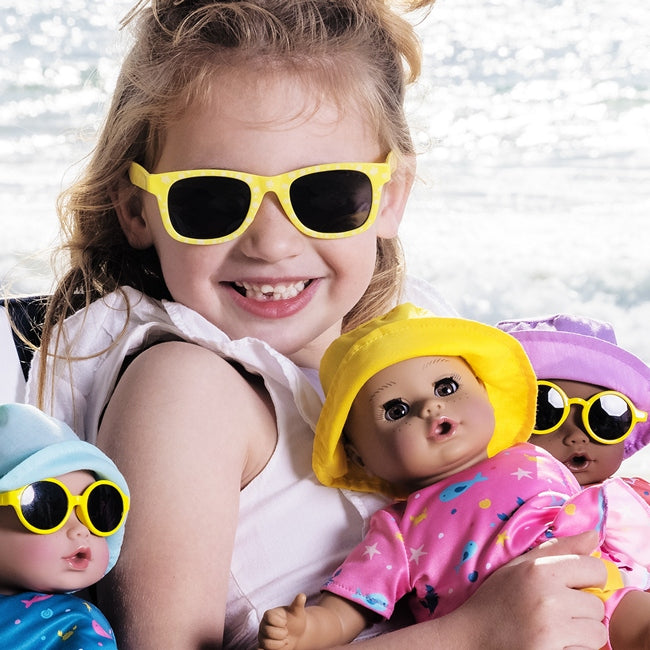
(280, 291)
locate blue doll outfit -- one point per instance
(32, 621)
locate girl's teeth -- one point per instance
(271, 292)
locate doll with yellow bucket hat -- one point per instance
(63, 504)
(435, 412)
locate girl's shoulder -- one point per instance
(120, 327)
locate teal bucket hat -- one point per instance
(34, 446)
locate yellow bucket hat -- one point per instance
(405, 332)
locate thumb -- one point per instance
(298, 603)
(581, 544)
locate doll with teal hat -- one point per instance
(63, 504)
(593, 398)
(435, 413)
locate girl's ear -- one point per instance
(130, 213)
(394, 198)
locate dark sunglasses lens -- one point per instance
(333, 201)
(105, 508)
(44, 504)
(610, 417)
(207, 207)
(550, 408)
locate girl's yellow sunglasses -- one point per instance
(212, 206)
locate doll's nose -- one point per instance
(430, 408)
(573, 427)
(76, 528)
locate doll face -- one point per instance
(421, 420)
(67, 560)
(590, 461)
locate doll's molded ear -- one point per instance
(352, 454)
(394, 198)
(130, 213)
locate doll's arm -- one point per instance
(333, 621)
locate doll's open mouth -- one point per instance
(442, 428)
(578, 462)
(80, 559)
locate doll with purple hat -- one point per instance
(63, 504)
(578, 363)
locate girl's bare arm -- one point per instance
(187, 431)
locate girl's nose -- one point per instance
(271, 237)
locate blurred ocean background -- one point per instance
(533, 122)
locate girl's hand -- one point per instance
(535, 601)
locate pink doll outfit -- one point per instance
(640, 486)
(442, 542)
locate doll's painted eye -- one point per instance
(396, 409)
(445, 387)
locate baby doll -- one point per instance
(578, 362)
(63, 504)
(436, 412)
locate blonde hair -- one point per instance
(359, 49)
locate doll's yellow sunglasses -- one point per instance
(608, 416)
(43, 507)
(212, 206)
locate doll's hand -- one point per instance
(282, 627)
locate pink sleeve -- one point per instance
(375, 574)
(622, 519)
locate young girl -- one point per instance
(435, 411)
(52, 540)
(578, 362)
(240, 210)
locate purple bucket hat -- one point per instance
(583, 349)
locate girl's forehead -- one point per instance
(303, 92)
(247, 126)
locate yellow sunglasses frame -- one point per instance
(159, 185)
(637, 414)
(75, 501)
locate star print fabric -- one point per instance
(444, 540)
